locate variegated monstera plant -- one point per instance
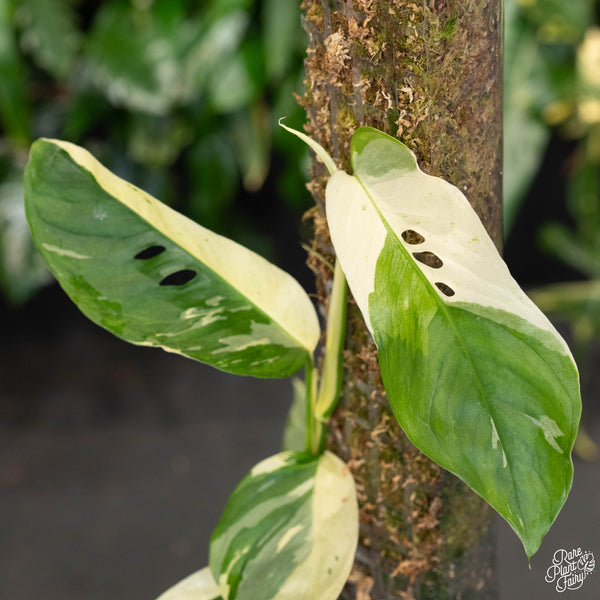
(476, 375)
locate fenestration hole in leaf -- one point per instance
(445, 289)
(150, 252)
(179, 277)
(412, 237)
(429, 259)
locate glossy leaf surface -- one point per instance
(289, 531)
(154, 277)
(476, 375)
(198, 586)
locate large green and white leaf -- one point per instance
(198, 586)
(476, 375)
(288, 532)
(154, 277)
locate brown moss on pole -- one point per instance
(428, 72)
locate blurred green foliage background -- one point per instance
(180, 96)
(552, 91)
(183, 97)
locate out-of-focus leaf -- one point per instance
(214, 179)
(218, 8)
(49, 33)
(214, 49)
(137, 60)
(583, 197)
(281, 32)
(540, 85)
(252, 144)
(572, 300)
(230, 87)
(579, 248)
(87, 112)
(563, 243)
(560, 21)
(239, 79)
(156, 141)
(294, 435)
(14, 104)
(22, 270)
(525, 135)
(588, 78)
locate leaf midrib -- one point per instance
(443, 307)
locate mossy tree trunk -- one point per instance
(428, 72)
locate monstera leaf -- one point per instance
(288, 532)
(153, 277)
(476, 375)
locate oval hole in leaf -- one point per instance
(412, 237)
(150, 252)
(255, 333)
(445, 289)
(521, 399)
(429, 258)
(179, 277)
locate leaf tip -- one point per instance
(314, 146)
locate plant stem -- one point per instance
(308, 384)
(321, 399)
(331, 378)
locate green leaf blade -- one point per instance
(153, 277)
(289, 530)
(476, 375)
(482, 403)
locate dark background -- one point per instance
(115, 460)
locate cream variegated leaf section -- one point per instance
(350, 214)
(290, 530)
(325, 570)
(154, 277)
(408, 199)
(279, 295)
(198, 586)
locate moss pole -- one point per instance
(428, 72)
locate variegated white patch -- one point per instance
(198, 586)
(279, 296)
(64, 252)
(295, 531)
